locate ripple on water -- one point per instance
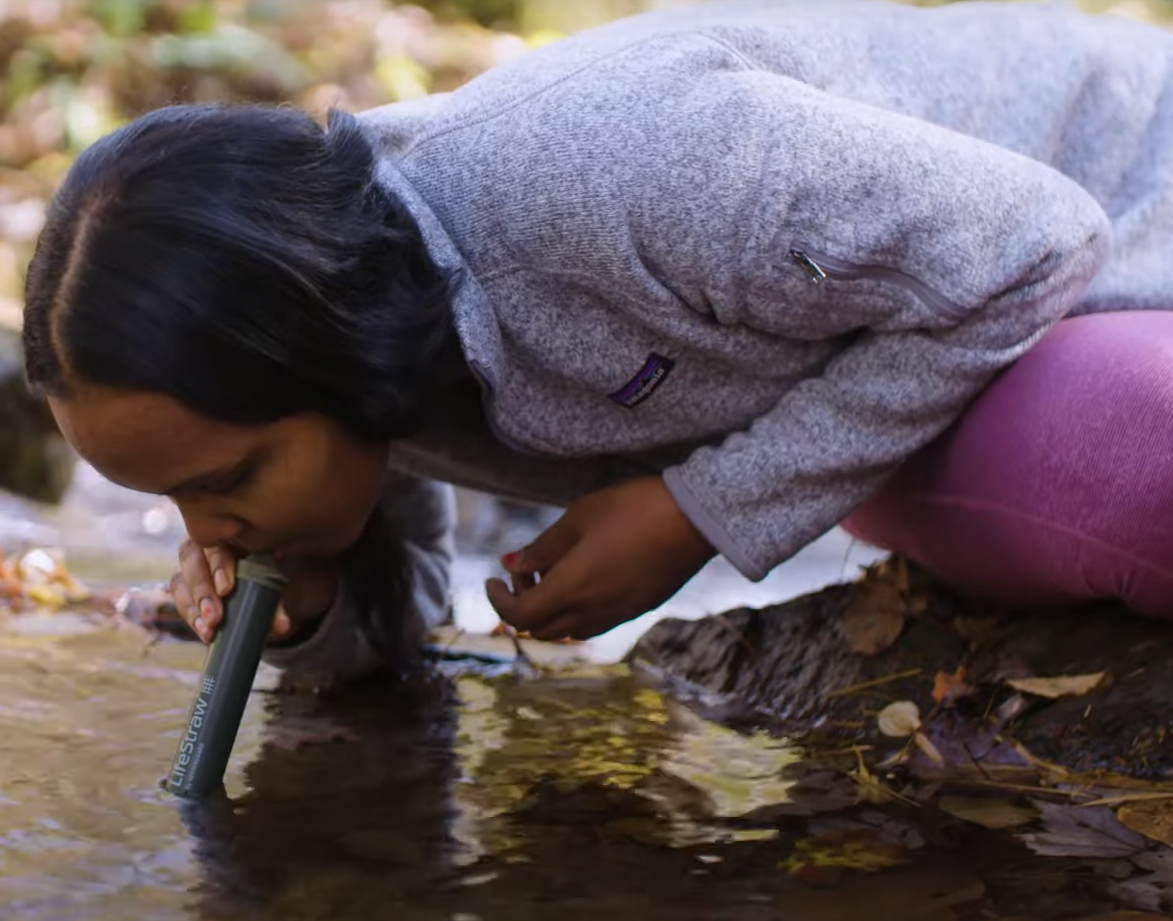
(468, 794)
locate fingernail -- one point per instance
(198, 625)
(207, 609)
(220, 579)
(510, 559)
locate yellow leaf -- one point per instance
(850, 852)
(46, 595)
(1063, 686)
(1151, 818)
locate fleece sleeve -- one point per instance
(421, 514)
(932, 259)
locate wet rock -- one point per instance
(35, 460)
(791, 664)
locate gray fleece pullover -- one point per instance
(770, 249)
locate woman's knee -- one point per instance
(1061, 473)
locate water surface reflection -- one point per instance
(467, 793)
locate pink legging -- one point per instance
(1056, 485)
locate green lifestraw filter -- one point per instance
(214, 719)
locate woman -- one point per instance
(716, 278)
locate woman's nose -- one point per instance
(207, 528)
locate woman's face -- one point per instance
(302, 486)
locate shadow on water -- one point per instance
(465, 793)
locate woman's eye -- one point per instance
(238, 479)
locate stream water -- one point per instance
(469, 792)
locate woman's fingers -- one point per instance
(282, 625)
(222, 562)
(205, 576)
(183, 601)
(544, 551)
(519, 582)
(195, 591)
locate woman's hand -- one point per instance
(205, 576)
(615, 554)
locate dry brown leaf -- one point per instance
(989, 813)
(1062, 686)
(874, 618)
(899, 720)
(950, 688)
(1151, 818)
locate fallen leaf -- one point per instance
(989, 813)
(893, 569)
(1153, 890)
(1071, 831)
(1146, 892)
(969, 746)
(864, 851)
(1158, 861)
(503, 629)
(1153, 819)
(874, 618)
(1064, 686)
(899, 720)
(947, 689)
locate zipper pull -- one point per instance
(809, 266)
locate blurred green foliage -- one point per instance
(71, 70)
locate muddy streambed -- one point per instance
(472, 792)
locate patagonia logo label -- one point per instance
(654, 372)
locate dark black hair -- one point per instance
(242, 260)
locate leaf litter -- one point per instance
(1152, 818)
(1062, 686)
(950, 688)
(1074, 832)
(900, 719)
(970, 771)
(874, 617)
(974, 772)
(995, 814)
